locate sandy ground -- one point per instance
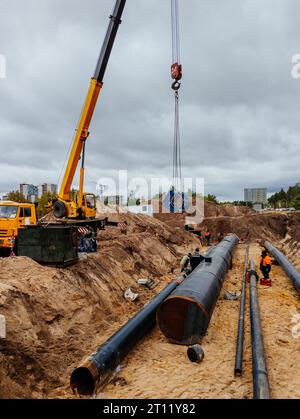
(56, 318)
(157, 369)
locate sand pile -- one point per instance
(242, 221)
(56, 317)
(226, 210)
(273, 227)
(290, 245)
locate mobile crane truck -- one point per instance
(14, 216)
(56, 243)
(83, 205)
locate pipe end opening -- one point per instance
(195, 354)
(83, 381)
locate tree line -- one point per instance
(41, 203)
(286, 199)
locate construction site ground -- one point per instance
(57, 317)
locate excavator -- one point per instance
(81, 205)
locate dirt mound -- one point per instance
(56, 317)
(242, 221)
(211, 211)
(225, 210)
(256, 227)
(290, 245)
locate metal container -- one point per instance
(49, 245)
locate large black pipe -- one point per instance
(261, 386)
(241, 327)
(94, 372)
(184, 317)
(290, 269)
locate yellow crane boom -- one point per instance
(83, 205)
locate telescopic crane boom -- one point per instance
(83, 205)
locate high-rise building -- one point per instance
(47, 188)
(28, 191)
(256, 195)
(31, 192)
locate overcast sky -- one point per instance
(240, 113)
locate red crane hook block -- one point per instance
(176, 71)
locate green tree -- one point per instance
(296, 203)
(16, 196)
(212, 198)
(283, 199)
(42, 204)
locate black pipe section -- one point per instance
(184, 317)
(238, 370)
(290, 269)
(261, 386)
(95, 371)
(115, 22)
(195, 354)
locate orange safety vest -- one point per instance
(267, 261)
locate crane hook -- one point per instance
(176, 85)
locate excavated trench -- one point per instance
(55, 318)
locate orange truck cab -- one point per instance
(14, 216)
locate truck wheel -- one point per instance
(59, 210)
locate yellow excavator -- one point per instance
(81, 205)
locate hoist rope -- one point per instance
(176, 75)
(177, 164)
(175, 31)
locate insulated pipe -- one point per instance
(241, 328)
(184, 317)
(290, 269)
(96, 369)
(261, 386)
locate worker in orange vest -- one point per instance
(265, 265)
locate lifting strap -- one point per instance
(176, 74)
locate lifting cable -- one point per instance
(176, 72)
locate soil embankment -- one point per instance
(56, 317)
